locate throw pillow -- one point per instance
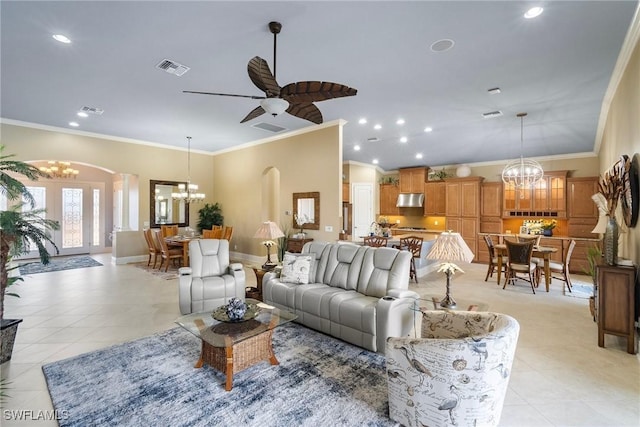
(296, 268)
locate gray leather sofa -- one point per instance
(210, 281)
(358, 294)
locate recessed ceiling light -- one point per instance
(362, 121)
(400, 121)
(82, 114)
(356, 147)
(403, 139)
(375, 161)
(428, 129)
(442, 45)
(378, 127)
(61, 38)
(419, 156)
(533, 12)
(74, 124)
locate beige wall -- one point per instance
(309, 161)
(622, 136)
(146, 161)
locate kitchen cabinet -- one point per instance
(388, 199)
(579, 202)
(548, 198)
(491, 199)
(616, 299)
(435, 198)
(463, 208)
(412, 179)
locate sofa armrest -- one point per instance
(402, 293)
(394, 316)
(184, 289)
(237, 271)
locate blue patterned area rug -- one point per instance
(57, 264)
(320, 381)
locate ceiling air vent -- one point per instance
(373, 139)
(269, 127)
(492, 114)
(172, 67)
(92, 110)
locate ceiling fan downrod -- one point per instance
(275, 28)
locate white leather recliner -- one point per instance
(210, 281)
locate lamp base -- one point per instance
(269, 266)
(448, 302)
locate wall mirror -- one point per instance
(307, 205)
(165, 209)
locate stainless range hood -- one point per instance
(410, 200)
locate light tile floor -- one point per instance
(560, 376)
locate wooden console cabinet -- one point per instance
(616, 300)
(295, 245)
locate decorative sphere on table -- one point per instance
(236, 309)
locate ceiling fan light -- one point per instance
(274, 106)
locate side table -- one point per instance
(256, 293)
(295, 245)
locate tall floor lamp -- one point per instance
(449, 247)
(268, 231)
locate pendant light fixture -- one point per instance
(188, 193)
(522, 173)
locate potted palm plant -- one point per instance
(209, 215)
(20, 229)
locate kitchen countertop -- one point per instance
(586, 239)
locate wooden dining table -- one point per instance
(182, 242)
(543, 252)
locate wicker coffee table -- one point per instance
(232, 347)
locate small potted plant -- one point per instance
(547, 226)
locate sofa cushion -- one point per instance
(343, 266)
(383, 269)
(296, 268)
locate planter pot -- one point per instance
(547, 233)
(8, 330)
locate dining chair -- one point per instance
(412, 244)
(209, 234)
(167, 253)
(561, 268)
(539, 262)
(493, 259)
(168, 230)
(153, 252)
(375, 241)
(228, 232)
(519, 261)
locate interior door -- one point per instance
(363, 214)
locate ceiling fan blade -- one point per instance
(314, 91)
(261, 76)
(306, 111)
(256, 112)
(224, 94)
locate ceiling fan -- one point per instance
(295, 98)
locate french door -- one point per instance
(79, 208)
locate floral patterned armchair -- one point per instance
(455, 374)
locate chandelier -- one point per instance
(522, 173)
(189, 192)
(58, 169)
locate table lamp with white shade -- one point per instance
(268, 231)
(449, 247)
